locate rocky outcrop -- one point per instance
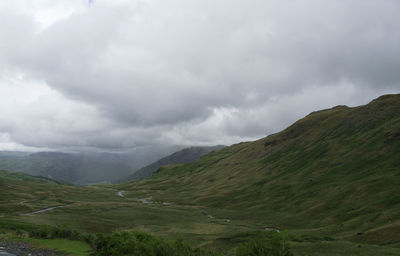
(11, 248)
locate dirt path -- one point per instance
(42, 211)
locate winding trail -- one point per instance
(145, 201)
(42, 211)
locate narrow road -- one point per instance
(42, 211)
(145, 201)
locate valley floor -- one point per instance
(108, 208)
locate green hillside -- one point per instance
(332, 180)
(186, 155)
(336, 171)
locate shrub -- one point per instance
(20, 233)
(138, 243)
(39, 233)
(277, 245)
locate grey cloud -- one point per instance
(159, 71)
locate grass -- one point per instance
(18, 231)
(73, 248)
(337, 248)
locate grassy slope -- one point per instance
(186, 155)
(335, 173)
(326, 178)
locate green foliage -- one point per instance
(277, 245)
(59, 232)
(44, 231)
(20, 233)
(68, 247)
(139, 243)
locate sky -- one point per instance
(119, 74)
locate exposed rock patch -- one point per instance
(25, 249)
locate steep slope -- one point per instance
(186, 155)
(336, 171)
(21, 192)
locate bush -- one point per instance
(277, 245)
(20, 233)
(57, 232)
(138, 243)
(115, 244)
(39, 233)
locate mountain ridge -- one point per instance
(183, 156)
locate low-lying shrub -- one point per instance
(139, 243)
(277, 245)
(57, 232)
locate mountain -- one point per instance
(335, 172)
(330, 181)
(83, 168)
(186, 155)
(27, 178)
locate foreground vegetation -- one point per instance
(130, 243)
(331, 180)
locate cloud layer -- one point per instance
(120, 74)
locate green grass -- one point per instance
(73, 248)
(337, 248)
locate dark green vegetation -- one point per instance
(332, 180)
(129, 243)
(186, 155)
(139, 243)
(274, 245)
(81, 243)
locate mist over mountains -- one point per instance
(93, 167)
(83, 168)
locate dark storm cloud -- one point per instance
(199, 71)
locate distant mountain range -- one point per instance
(183, 156)
(83, 168)
(91, 168)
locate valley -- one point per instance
(330, 182)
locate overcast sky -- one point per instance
(117, 74)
